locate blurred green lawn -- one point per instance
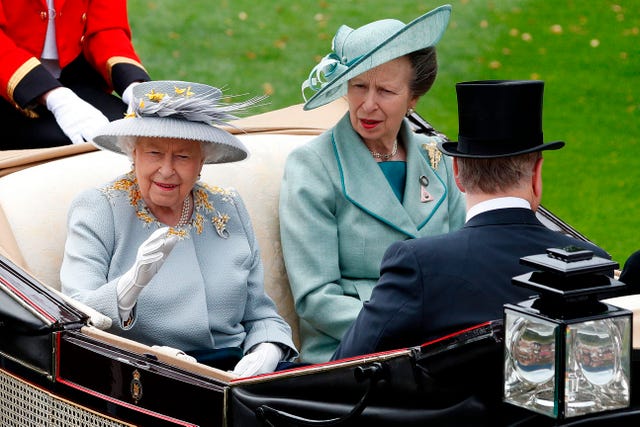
(587, 52)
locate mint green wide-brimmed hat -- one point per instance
(182, 110)
(357, 51)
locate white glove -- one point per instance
(128, 93)
(78, 119)
(171, 351)
(150, 257)
(263, 358)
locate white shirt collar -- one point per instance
(497, 203)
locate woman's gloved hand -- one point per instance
(150, 257)
(127, 95)
(263, 358)
(78, 119)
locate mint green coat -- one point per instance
(338, 215)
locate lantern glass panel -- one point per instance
(530, 368)
(597, 365)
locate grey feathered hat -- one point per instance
(182, 110)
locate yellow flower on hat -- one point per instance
(155, 96)
(186, 91)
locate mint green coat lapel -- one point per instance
(371, 191)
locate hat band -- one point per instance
(497, 146)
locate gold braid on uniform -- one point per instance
(15, 80)
(115, 60)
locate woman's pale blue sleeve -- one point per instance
(88, 252)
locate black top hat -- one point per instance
(499, 118)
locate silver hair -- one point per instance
(127, 145)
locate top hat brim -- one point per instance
(421, 33)
(451, 149)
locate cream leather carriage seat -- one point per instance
(34, 204)
(34, 201)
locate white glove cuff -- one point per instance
(127, 95)
(59, 96)
(127, 294)
(274, 350)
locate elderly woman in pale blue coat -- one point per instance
(367, 182)
(174, 262)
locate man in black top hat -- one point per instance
(433, 286)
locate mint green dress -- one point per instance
(338, 215)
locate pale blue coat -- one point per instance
(338, 215)
(209, 292)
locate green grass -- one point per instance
(587, 52)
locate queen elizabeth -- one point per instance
(171, 260)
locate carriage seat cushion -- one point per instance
(34, 204)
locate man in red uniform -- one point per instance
(60, 61)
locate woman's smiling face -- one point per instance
(166, 170)
(379, 99)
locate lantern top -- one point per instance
(569, 261)
(570, 276)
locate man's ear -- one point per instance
(536, 179)
(456, 170)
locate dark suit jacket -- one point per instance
(432, 286)
(631, 272)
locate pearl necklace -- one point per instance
(384, 156)
(186, 210)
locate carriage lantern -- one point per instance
(566, 352)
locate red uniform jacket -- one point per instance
(97, 29)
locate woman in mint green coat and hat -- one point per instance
(367, 182)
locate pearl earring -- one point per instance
(410, 111)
